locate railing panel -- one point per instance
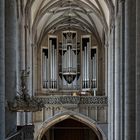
(84, 100)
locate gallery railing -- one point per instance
(75, 100)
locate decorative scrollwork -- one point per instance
(74, 100)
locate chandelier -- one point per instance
(23, 102)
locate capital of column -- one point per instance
(33, 45)
(106, 44)
(112, 25)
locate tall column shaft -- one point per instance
(130, 54)
(137, 70)
(2, 71)
(121, 66)
(111, 85)
(106, 69)
(10, 60)
(117, 78)
(21, 49)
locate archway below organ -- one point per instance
(70, 129)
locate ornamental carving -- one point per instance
(74, 100)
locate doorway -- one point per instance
(69, 129)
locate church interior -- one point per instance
(69, 69)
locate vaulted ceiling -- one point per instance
(91, 16)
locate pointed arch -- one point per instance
(72, 115)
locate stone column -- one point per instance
(137, 70)
(117, 78)
(106, 69)
(28, 65)
(122, 67)
(21, 115)
(10, 61)
(2, 71)
(119, 71)
(130, 55)
(111, 58)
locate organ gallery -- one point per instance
(69, 63)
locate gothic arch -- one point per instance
(75, 116)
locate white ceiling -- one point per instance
(87, 15)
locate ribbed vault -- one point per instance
(92, 16)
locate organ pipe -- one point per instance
(69, 56)
(72, 59)
(63, 61)
(87, 62)
(45, 69)
(44, 72)
(94, 67)
(53, 65)
(94, 70)
(47, 72)
(66, 59)
(50, 59)
(53, 62)
(83, 64)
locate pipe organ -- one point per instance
(94, 70)
(53, 62)
(69, 71)
(69, 66)
(49, 64)
(85, 62)
(45, 68)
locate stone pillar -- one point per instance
(106, 69)
(21, 115)
(130, 55)
(2, 71)
(137, 70)
(117, 78)
(119, 71)
(10, 61)
(122, 67)
(29, 66)
(111, 58)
